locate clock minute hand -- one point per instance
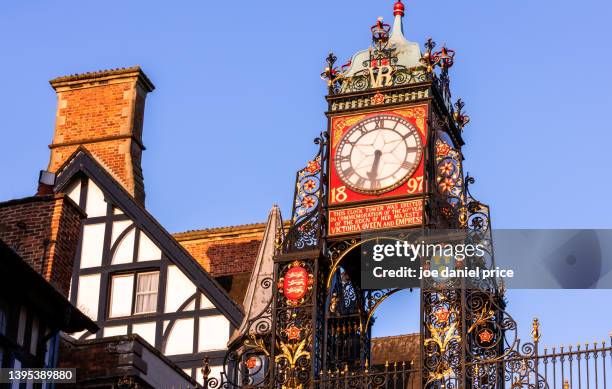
(374, 172)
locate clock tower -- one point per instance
(388, 165)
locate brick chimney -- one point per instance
(103, 111)
(44, 231)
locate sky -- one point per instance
(239, 100)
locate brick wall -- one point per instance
(103, 363)
(220, 258)
(103, 111)
(96, 358)
(226, 250)
(44, 231)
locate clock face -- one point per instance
(378, 154)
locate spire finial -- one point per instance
(398, 8)
(398, 15)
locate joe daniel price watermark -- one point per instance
(521, 259)
(405, 263)
(35, 376)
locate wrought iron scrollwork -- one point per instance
(306, 221)
(247, 360)
(294, 329)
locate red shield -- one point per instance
(295, 284)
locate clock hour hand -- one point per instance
(374, 172)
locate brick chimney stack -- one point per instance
(103, 111)
(44, 231)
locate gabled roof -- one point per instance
(83, 162)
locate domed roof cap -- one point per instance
(408, 53)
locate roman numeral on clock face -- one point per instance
(344, 158)
(348, 172)
(379, 123)
(407, 165)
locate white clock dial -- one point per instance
(378, 154)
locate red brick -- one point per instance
(103, 111)
(44, 231)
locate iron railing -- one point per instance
(399, 375)
(582, 366)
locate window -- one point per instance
(214, 333)
(88, 295)
(96, 204)
(146, 292)
(23, 315)
(146, 330)
(133, 294)
(92, 245)
(121, 295)
(179, 288)
(180, 338)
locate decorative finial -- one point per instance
(461, 119)
(205, 370)
(535, 331)
(380, 32)
(398, 8)
(445, 57)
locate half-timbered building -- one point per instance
(130, 275)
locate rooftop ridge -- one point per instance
(63, 80)
(222, 229)
(397, 336)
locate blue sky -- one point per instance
(239, 100)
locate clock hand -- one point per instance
(374, 172)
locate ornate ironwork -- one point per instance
(332, 75)
(247, 361)
(296, 333)
(316, 329)
(306, 221)
(396, 376)
(461, 119)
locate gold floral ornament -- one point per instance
(378, 99)
(313, 167)
(442, 314)
(291, 353)
(256, 344)
(293, 332)
(341, 124)
(442, 148)
(485, 315)
(444, 334)
(442, 337)
(485, 336)
(417, 113)
(310, 185)
(308, 202)
(447, 168)
(446, 185)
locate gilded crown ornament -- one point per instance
(380, 32)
